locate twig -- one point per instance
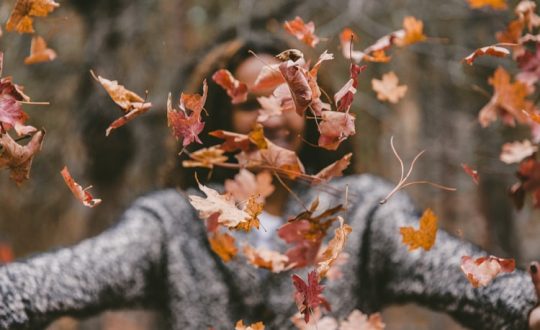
(290, 191)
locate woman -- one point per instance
(158, 254)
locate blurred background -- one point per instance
(145, 44)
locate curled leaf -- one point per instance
(266, 259)
(236, 89)
(21, 19)
(334, 248)
(483, 270)
(304, 32)
(472, 173)
(296, 77)
(333, 170)
(18, 158)
(335, 128)
(79, 192)
(206, 157)
(488, 50)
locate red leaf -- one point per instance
(186, 127)
(472, 173)
(344, 97)
(81, 194)
(308, 296)
(236, 89)
(483, 270)
(18, 158)
(335, 128)
(488, 50)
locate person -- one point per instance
(158, 255)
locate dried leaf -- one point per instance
(425, 236)
(488, 50)
(6, 253)
(236, 89)
(483, 270)
(21, 20)
(335, 128)
(359, 321)
(194, 102)
(472, 173)
(223, 245)
(79, 192)
(334, 248)
(266, 259)
(344, 97)
(494, 4)
(39, 52)
(296, 77)
(333, 170)
(347, 38)
(529, 181)
(515, 152)
(315, 322)
(304, 32)
(268, 79)
(254, 326)
(256, 136)
(206, 157)
(17, 158)
(246, 184)
(11, 113)
(254, 208)
(387, 88)
(414, 32)
(132, 104)
(308, 296)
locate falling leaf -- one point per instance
(304, 32)
(414, 32)
(233, 141)
(333, 170)
(488, 50)
(316, 103)
(512, 33)
(81, 194)
(254, 326)
(223, 245)
(483, 270)
(472, 173)
(529, 181)
(39, 52)
(315, 321)
(526, 12)
(271, 107)
(11, 113)
(246, 184)
(187, 126)
(132, 104)
(214, 203)
(347, 38)
(515, 152)
(18, 158)
(335, 128)
(21, 20)
(308, 296)
(254, 208)
(494, 4)
(334, 248)
(359, 321)
(256, 136)
(206, 157)
(6, 253)
(425, 236)
(508, 101)
(236, 89)
(344, 97)
(266, 259)
(296, 77)
(387, 88)
(268, 79)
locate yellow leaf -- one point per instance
(423, 237)
(495, 4)
(223, 245)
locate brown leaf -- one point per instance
(206, 157)
(268, 79)
(11, 112)
(334, 248)
(483, 270)
(425, 236)
(81, 194)
(308, 296)
(387, 88)
(21, 20)
(236, 89)
(414, 32)
(304, 32)
(296, 77)
(256, 136)
(39, 52)
(488, 50)
(184, 126)
(333, 170)
(18, 158)
(223, 245)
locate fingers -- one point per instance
(534, 270)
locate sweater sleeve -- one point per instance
(434, 278)
(120, 267)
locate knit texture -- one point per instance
(158, 256)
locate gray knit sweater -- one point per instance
(158, 255)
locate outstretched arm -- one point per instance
(117, 268)
(434, 278)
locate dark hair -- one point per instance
(229, 55)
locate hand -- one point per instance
(534, 316)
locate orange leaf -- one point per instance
(414, 32)
(489, 50)
(304, 32)
(236, 89)
(246, 184)
(334, 248)
(254, 326)
(483, 270)
(18, 158)
(254, 208)
(6, 253)
(266, 259)
(39, 52)
(223, 245)
(206, 157)
(494, 4)
(132, 104)
(425, 236)
(256, 136)
(333, 170)
(81, 194)
(194, 102)
(387, 89)
(20, 19)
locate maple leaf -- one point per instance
(425, 236)
(472, 173)
(315, 322)
(236, 89)
(223, 245)
(488, 50)
(214, 203)
(508, 100)
(256, 136)
(494, 4)
(132, 104)
(529, 65)
(233, 141)
(254, 208)
(246, 184)
(39, 52)
(308, 296)
(483, 270)
(512, 33)
(184, 126)
(413, 32)
(81, 194)
(304, 32)
(18, 158)
(296, 77)
(254, 326)
(194, 102)
(206, 157)
(335, 128)
(334, 248)
(516, 151)
(387, 88)
(21, 20)
(266, 259)
(359, 321)
(268, 79)
(333, 170)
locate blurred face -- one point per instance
(285, 130)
